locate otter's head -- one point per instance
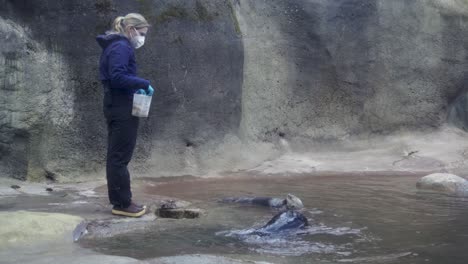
(293, 202)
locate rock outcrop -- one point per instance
(444, 183)
(36, 105)
(232, 78)
(20, 228)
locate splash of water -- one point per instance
(298, 242)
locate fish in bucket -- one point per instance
(141, 105)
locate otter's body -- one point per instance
(262, 201)
(283, 222)
(290, 202)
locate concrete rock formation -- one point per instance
(233, 77)
(445, 183)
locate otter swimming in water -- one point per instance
(291, 201)
(283, 222)
(288, 219)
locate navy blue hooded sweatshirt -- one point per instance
(117, 65)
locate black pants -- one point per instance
(122, 130)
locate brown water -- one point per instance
(353, 219)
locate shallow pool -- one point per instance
(353, 219)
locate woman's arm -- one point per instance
(118, 60)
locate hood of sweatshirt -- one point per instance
(107, 39)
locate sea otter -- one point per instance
(289, 220)
(291, 202)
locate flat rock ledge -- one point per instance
(92, 258)
(201, 259)
(444, 183)
(23, 227)
(106, 228)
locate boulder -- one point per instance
(106, 228)
(17, 228)
(445, 183)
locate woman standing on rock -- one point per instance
(118, 75)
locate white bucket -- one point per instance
(141, 105)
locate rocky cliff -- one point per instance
(233, 77)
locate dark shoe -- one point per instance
(131, 211)
(138, 205)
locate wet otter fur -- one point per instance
(291, 202)
(289, 220)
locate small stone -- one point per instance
(192, 213)
(15, 186)
(169, 205)
(50, 175)
(49, 189)
(174, 204)
(178, 213)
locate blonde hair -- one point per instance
(130, 20)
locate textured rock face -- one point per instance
(193, 57)
(232, 78)
(36, 103)
(330, 69)
(444, 182)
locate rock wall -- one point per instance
(233, 77)
(331, 69)
(36, 104)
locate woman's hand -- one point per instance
(140, 91)
(150, 90)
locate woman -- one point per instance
(118, 75)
